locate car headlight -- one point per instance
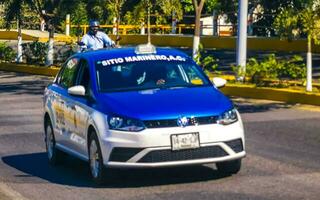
(125, 124)
(228, 117)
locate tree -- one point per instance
(286, 24)
(306, 21)
(197, 7)
(45, 9)
(311, 25)
(171, 8)
(115, 7)
(14, 11)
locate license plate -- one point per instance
(185, 141)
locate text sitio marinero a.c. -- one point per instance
(127, 59)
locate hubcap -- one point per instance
(94, 159)
(49, 142)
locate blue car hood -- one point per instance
(165, 103)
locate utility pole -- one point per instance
(242, 38)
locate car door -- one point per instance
(66, 112)
(79, 107)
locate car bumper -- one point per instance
(152, 147)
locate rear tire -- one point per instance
(97, 169)
(229, 167)
(55, 156)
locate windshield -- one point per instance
(149, 75)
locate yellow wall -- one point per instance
(13, 35)
(254, 43)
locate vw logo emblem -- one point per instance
(182, 121)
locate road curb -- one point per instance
(286, 95)
(30, 69)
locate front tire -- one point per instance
(55, 156)
(229, 167)
(97, 169)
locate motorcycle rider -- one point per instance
(95, 39)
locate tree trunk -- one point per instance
(19, 53)
(214, 23)
(309, 65)
(49, 58)
(174, 23)
(196, 37)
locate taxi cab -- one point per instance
(140, 107)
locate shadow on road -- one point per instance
(254, 106)
(19, 83)
(75, 172)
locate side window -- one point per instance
(193, 75)
(83, 75)
(68, 75)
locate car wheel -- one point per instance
(55, 156)
(229, 167)
(97, 169)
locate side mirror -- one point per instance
(219, 82)
(77, 90)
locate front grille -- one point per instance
(235, 145)
(120, 154)
(160, 123)
(192, 121)
(190, 154)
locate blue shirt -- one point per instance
(98, 41)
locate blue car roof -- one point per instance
(127, 51)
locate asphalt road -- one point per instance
(283, 156)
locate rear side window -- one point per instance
(68, 74)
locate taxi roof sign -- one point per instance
(145, 49)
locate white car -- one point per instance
(140, 107)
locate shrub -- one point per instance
(271, 68)
(207, 62)
(6, 53)
(35, 52)
(64, 52)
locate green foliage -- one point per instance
(274, 69)
(6, 53)
(35, 52)
(170, 6)
(114, 8)
(209, 5)
(207, 62)
(64, 52)
(286, 24)
(310, 20)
